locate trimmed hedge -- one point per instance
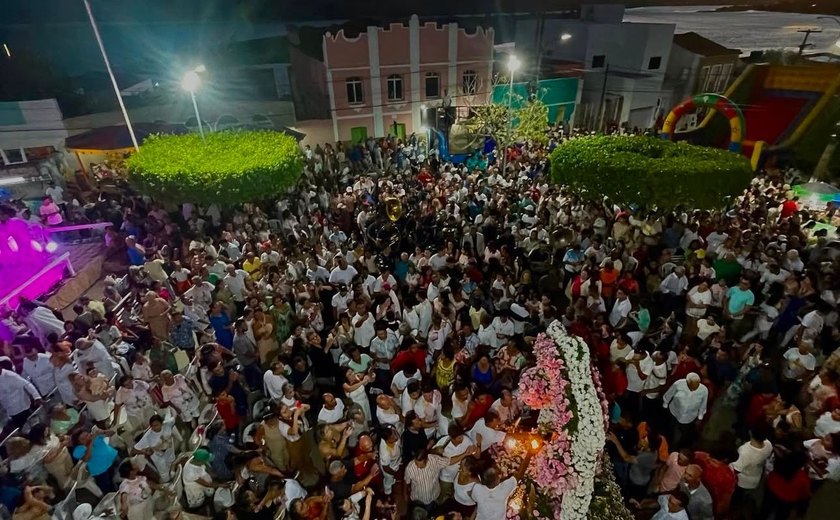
(649, 172)
(229, 168)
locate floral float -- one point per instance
(565, 388)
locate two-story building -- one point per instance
(380, 80)
(623, 63)
(699, 65)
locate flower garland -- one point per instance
(565, 388)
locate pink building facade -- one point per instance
(379, 81)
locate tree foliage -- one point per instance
(529, 120)
(229, 168)
(650, 172)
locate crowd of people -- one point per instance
(352, 350)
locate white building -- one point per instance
(32, 137)
(624, 62)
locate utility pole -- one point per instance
(539, 36)
(601, 114)
(804, 45)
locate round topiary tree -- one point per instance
(227, 168)
(649, 172)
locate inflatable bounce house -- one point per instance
(781, 111)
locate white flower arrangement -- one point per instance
(589, 439)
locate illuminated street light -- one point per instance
(565, 36)
(513, 64)
(190, 83)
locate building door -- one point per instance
(398, 130)
(358, 134)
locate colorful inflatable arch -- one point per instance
(722, 104)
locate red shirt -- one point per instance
(481, 404)
(406, 356)
(615, 381)
(791, 491)
(719, 479)
(755, 411)
(789, 207)
(229, 416)
(424, 177)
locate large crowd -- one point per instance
(352, 350)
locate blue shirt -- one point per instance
(738, 299)
(102, 456)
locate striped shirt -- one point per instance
(425, 487)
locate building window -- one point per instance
(395, 87)
(355, 95)
(712, 80)
(13, 156)
(432, 85)
(470, 82)
(703, 80)
(654, 63)
(598, 61)
(723, 80)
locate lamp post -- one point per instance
(512, 65)
(190, 83)
(110, 74)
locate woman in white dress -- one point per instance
(134, 396)
(177, 392)
(355, 388)
(158, 444)
(390, 457)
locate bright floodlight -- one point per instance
(513, 63)
(565, 36)
(51, 247)
(191, 81)
(37, 246)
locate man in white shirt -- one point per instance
(699, 298)
(506, 407)
(675, 283)
(752, 455)
(621, 308)
(454, 444)
(485, 432)
(503, 328)
(687, 400)
(343, 272)
(201, 292)
(317, 273)
(235, 280)
(18, 395)
(90, 351)
(385, 282)
(491, 494)
(424, 310)
(639, 368)
(332, 411)
(38, 369)
(799, 363)
(274, 380)
(341, 301)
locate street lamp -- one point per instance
(565, 37)
(513, 65)
(190, 83)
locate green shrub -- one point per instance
(229, 168)
(649, 172)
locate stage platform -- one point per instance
(58, 279)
